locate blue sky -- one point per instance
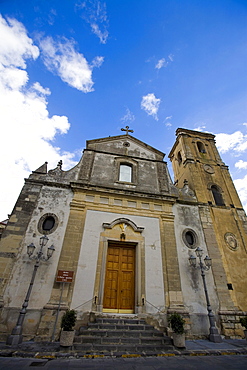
(72, 71)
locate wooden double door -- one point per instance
(119, 292)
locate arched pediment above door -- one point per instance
(123, 220)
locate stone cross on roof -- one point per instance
(127, 130)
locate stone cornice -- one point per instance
(56, 184)
(119, 191)
(167, 217)
(77, 205)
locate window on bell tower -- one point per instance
(217, 195)
(200, 147)
(179, 158)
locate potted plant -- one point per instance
(243, 322)
(67, 334)
(177, 324)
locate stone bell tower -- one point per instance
(195, 158)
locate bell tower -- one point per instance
(195, 158)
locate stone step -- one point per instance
(111, 326)
(117, 340)
(130, 348)
(120, 321)
(120, 333)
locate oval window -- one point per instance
(48, 223)
(190, 238)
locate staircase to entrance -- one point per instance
(120, 335)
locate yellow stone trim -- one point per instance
(77, 206)
(112, 310)
(165, 354)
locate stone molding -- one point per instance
(123, 221)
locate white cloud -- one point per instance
(27, 128)
(102, 35)
(236, 142)
(161, 63)
(241, 165)
(167, 121)
(61, 58)
(15, 45)
(200, 128)
(241, 187)
(45, 91)
(150, 104)
(128, 117)
(12, 77)
(94, 12)
(51, 16)
(97, 62)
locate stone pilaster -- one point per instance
(172, 283)
(219, 273)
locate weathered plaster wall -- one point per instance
(51, 200)
(86, 272)
(187, 217)
(105, 171)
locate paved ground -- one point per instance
(31, 349)
(193, 347)
(199, 354)
(227, 362)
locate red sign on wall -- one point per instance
(64, 276)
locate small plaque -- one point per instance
(64, 276)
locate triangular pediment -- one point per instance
(125, 144)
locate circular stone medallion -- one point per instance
(207, 168)
(231, 241)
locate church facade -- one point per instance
(126, 233)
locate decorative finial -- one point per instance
(59, 165)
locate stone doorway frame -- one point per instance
(119, 231)
(120, 244)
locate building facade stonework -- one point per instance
(127, 231)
